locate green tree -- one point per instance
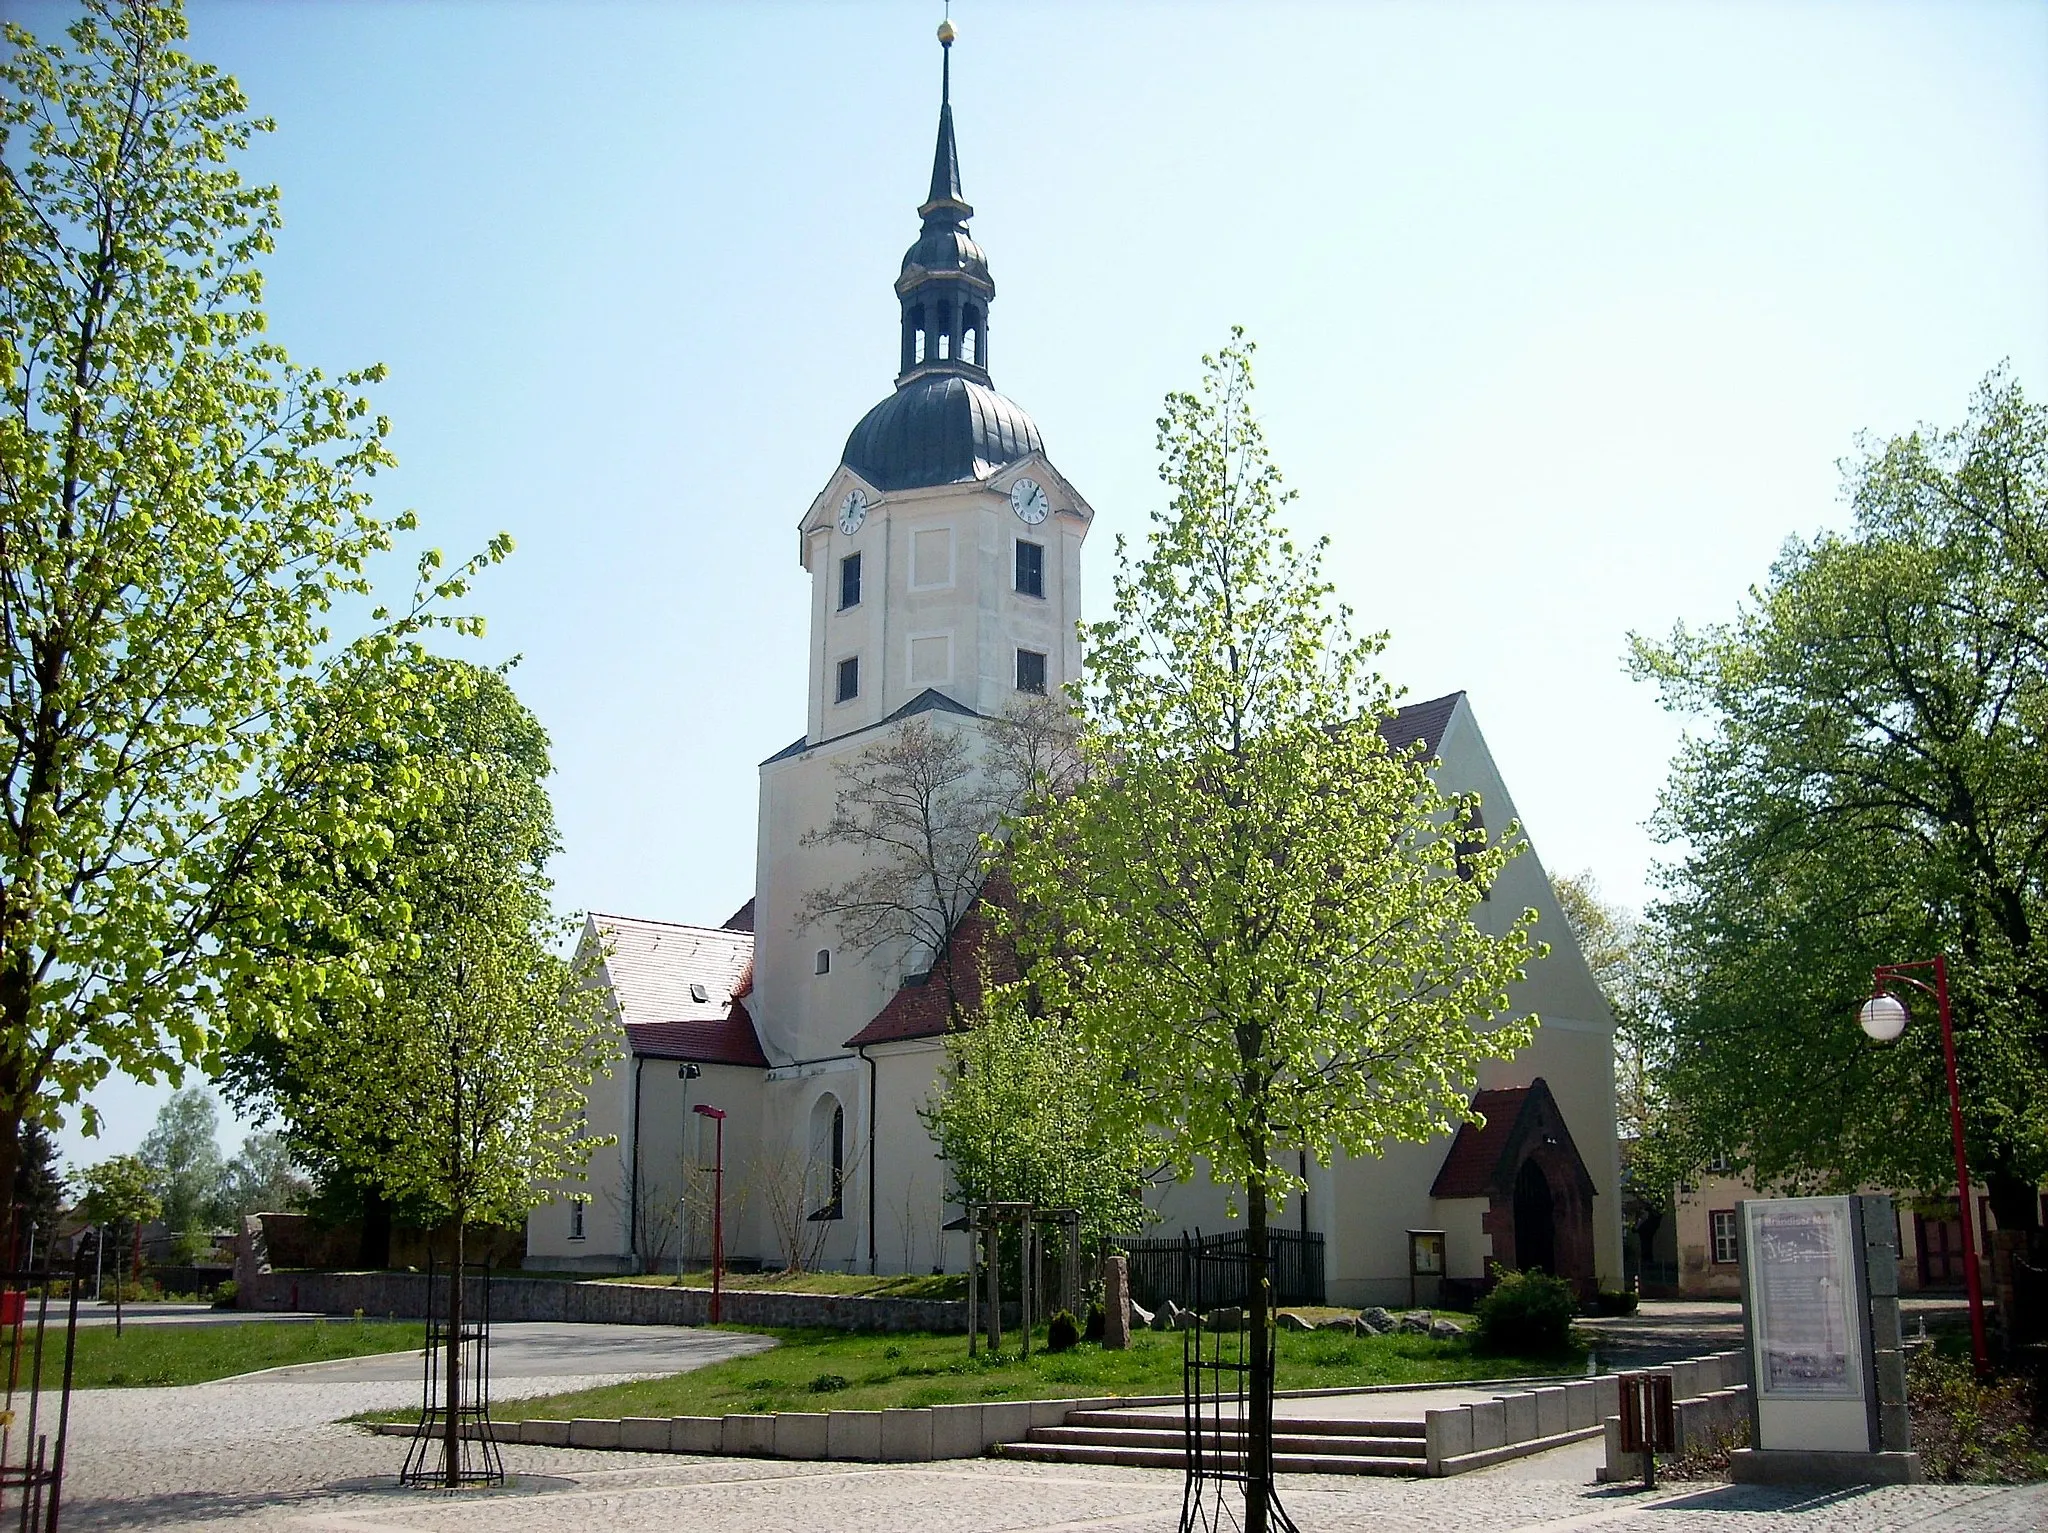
(263, 1177)
(116, 1193)
(453, 1080)
(1657, 1153)
(181, 509)
(1870, 785)
(1018, 1116)
(182, 1152)
(39, 1191)
(1256, 915)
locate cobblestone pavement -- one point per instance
(268, 1458)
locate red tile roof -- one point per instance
(1484, 1159)
(920, 1009)
(730, 1040)
(657, 969)
(1421, 722)
(1472, 1169)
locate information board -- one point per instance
(1805, 1298)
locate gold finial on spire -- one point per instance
(946, 34)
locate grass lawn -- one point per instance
(908, 1285)
(836, 1370)
(192, 1354)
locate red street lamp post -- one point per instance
(717, 1116)
(1883, 1017)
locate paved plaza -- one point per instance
(268, 1452)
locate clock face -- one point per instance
(1027, 499)
(852, 512)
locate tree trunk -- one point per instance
(2014, 1203)
(454, 1464)
(1258, 1484)
(10, 1174)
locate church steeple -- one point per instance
(944, 286)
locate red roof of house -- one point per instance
(1484, 1158)
(678, 988)
(920, 1009)
(1472, 1168)
(730, 1040)
(1421, 723)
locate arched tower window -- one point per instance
(825, 1171)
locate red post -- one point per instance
(717, 1116)
(1979, 1350)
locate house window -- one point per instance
(1721, 1223)
(1031, 671)
(1720, 1161)
(1030, 568)
(575, 1218)
(824, 961)
(849, 582)
(849, 679)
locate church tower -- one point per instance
(944, 555)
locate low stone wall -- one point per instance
(1461, 1438)
(917, 1434)
(1709, 1398)
(404, 1294)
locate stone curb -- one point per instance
(905, 1435)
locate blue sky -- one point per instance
(1566, 314)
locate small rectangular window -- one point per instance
(1030, 568)
(1030, 671)
(849, 679)
(575, 1218)
(849, 582)
(1723, 1221)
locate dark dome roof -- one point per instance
(939, 429)
(947, 250)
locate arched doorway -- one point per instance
(1535, 1224)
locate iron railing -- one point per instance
(1185, 1269)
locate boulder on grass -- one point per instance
(1287, 1320)
(1375, 1321)
(1444, 1330)
(1343, 1325)
(1142, 1319)
(1415, 1323)
(1228, 1318)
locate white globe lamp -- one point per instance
(1883, 1017)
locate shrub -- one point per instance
(1605, 1303)
(1098, 1322)
(829, 1383)
(1062, 1332)
(1526, 1312)
(1965, 1429)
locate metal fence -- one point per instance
(1171, 1267)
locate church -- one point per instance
(944, 559)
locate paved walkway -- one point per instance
(266, 1454)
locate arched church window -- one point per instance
(824, 961)
(970, 345)
(920, 344)
(945, 341)
(826, 1168)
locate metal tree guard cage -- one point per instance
(1217, 1381)
(31, 1465)
(473, 1440)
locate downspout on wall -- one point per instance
(874, 1111)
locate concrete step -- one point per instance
(1359, 1445)
(1170, 1458)
(1299, 1425)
